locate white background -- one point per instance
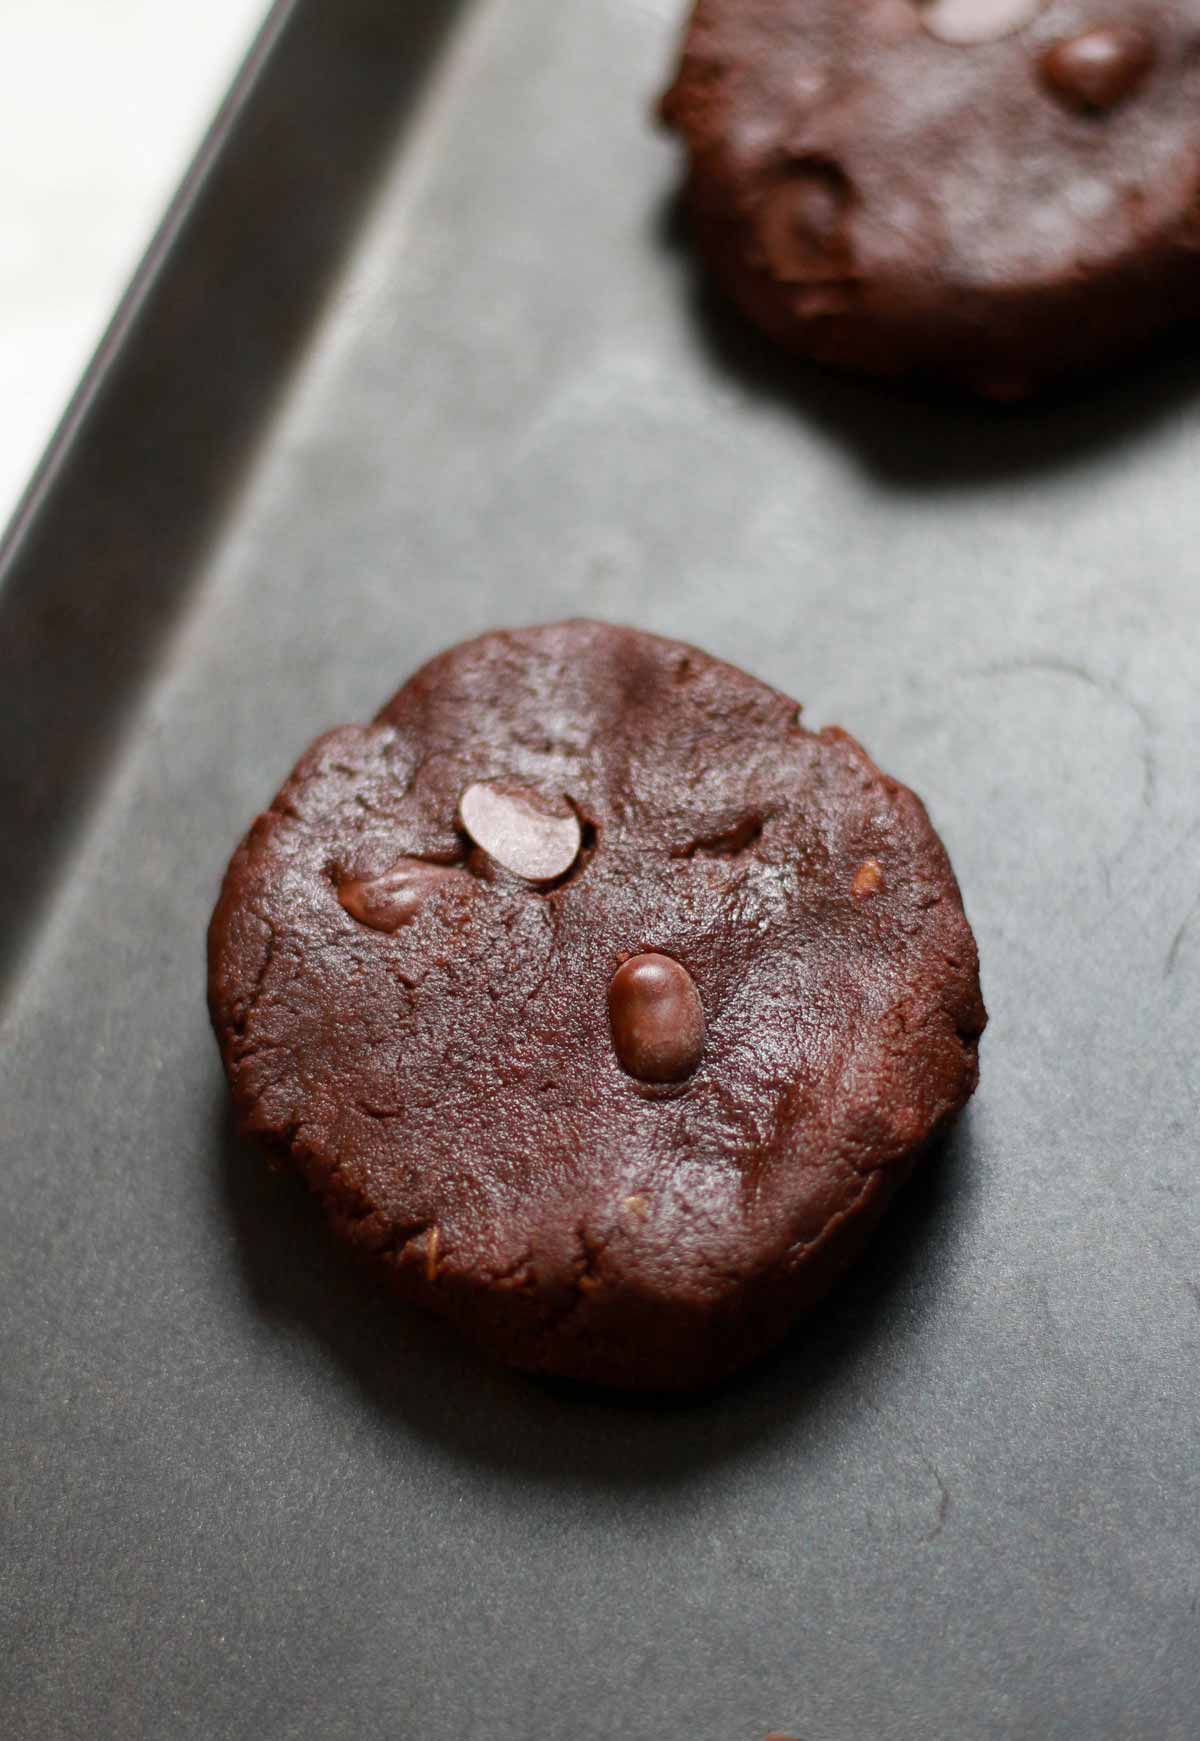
(102, 103)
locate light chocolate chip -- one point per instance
(964, 23)
(521, 830)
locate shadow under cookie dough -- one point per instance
(918, 436)
(423, 1376)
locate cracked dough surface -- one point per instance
(450, 1090)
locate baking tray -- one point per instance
(416, 353)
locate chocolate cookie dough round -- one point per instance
(999, 191)
(601, 1004)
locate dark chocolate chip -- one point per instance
(657, 1018)
(522, 831)
(386, 903)
(1099, 69)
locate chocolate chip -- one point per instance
(1100, 68)
(521, 830)
(657, 1018)
(802, 228)
(386, 903)
(966, 22)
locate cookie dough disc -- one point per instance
(601, 1004)
(999, 191)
